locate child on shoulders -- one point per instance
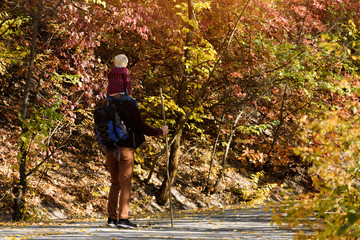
(119, 86)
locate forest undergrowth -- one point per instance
(76, 185)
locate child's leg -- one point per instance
(128, 98)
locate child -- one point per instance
(119, 87)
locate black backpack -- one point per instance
(110, 128)
(113, 127)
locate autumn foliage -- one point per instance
(250, 87)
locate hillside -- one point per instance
(75, 182)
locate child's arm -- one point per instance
(128, 83)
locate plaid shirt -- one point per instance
(119, 77)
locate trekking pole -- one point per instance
(167, 158)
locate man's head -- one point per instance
(121, 61)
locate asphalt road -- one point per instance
(253, 223)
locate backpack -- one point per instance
(110, 128)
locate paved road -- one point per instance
(251, 223)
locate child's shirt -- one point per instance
(119, 81)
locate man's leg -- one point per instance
(113, 200)
(126, 166)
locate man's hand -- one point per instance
(165, 130)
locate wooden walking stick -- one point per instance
(167, 158)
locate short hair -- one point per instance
(121, 60)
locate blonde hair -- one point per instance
(121, 61)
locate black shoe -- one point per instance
(112, 222)
(125, 223)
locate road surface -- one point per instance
(253, 223)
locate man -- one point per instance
(121, 169)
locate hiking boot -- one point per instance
(125, 223)
(112, 222)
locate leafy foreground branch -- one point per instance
(334, 211)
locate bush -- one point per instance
(333, 212)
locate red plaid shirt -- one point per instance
(119, 79)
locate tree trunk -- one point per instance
(20, 187)
(182, 101)
(206, 187)
(163, 193)
(25, 102)
(282, 119)
(232, 131)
